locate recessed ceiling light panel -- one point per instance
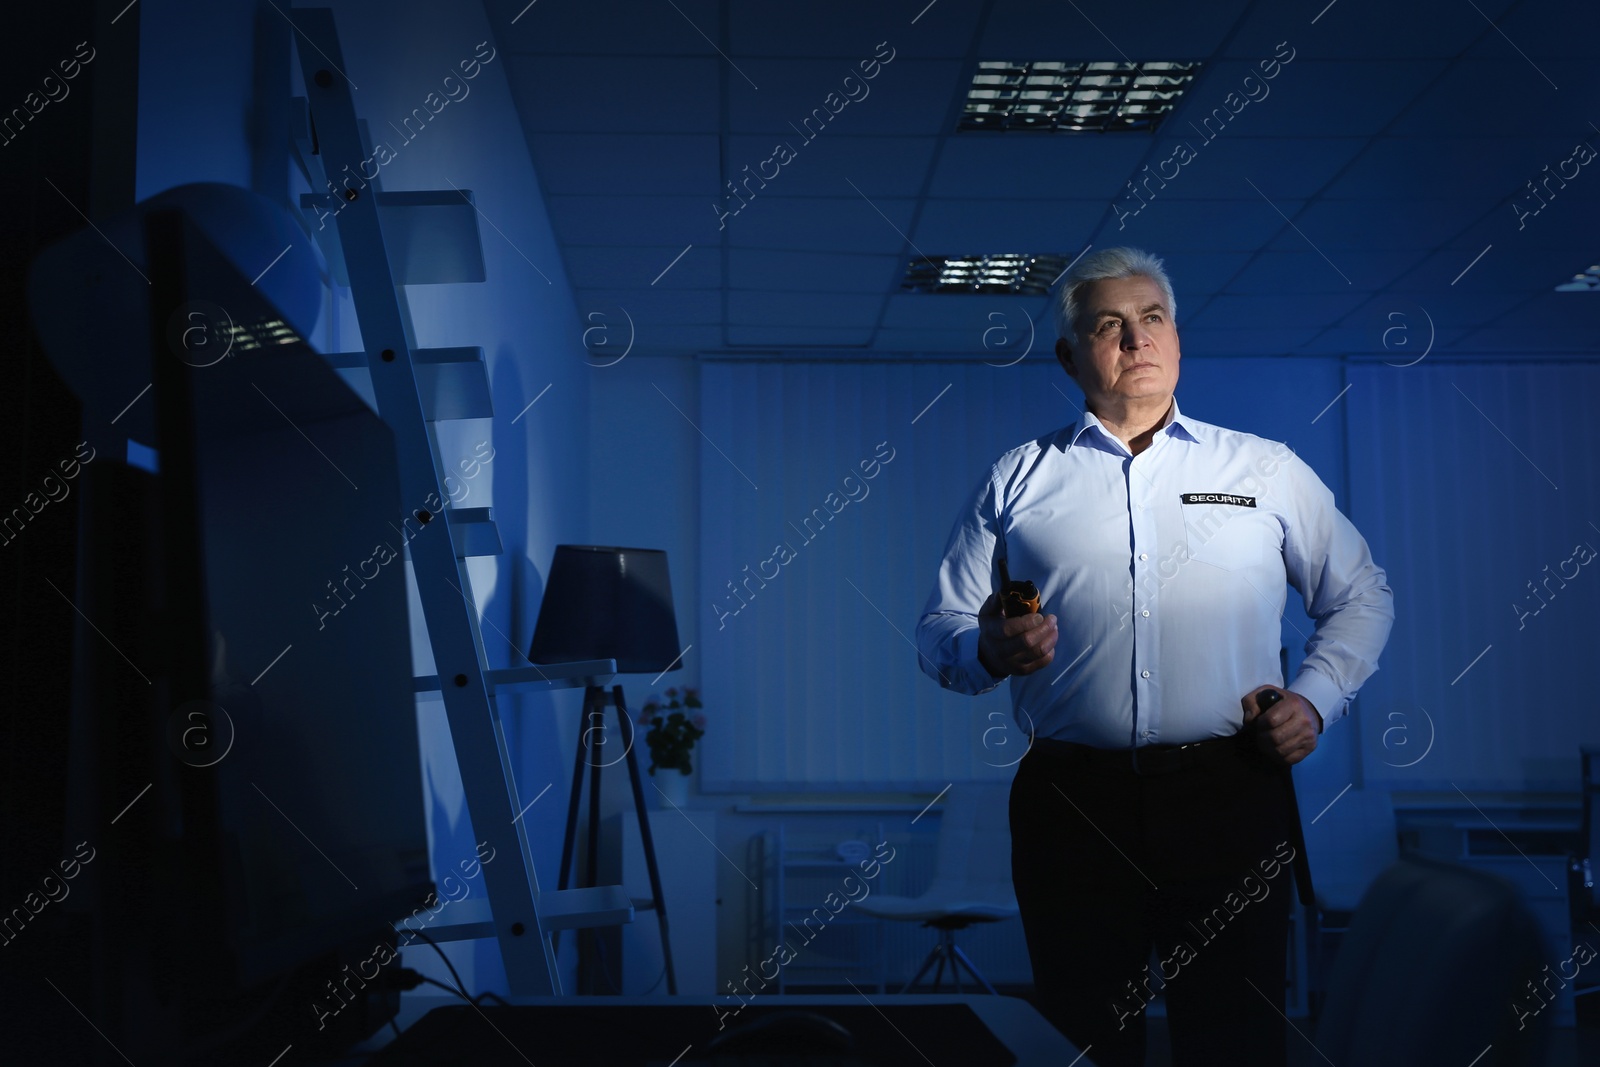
(1074, 97)
(1005, 272)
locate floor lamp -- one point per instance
(609, 603)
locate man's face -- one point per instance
(1125, 346)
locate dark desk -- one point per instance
(1020, 1028)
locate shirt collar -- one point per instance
(1177, 425)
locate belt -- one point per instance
(1147, 759)
(1151, 760)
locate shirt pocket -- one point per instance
(1229, 537)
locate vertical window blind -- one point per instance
(827, 493)
(1476, 485)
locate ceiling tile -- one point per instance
(1351, 29)
(751, 308)
(630, 165)
(1019, 29)
(799, 337)
(1407, 344)
(1405, 322)
(1574, 314)
(1417, 226)
(848, 29)
(1164, 225)
(639, 94)
(1502, 267)
(1307, 97)
(958, 343)
(1282, 340)
(827, 165)
(1503, 97)
(1038, 165)
(908, 96)
(1563, 222)
(1223, 168)
(633, 265)
(1195, 275)
(1540, 34)
(986, 322)
(649, 308)
(1308, 271)
(1304, 314)
(1460, 168)
(629, 220)
(607, 27)
(818, 225)
(1515, 342)
(816, 272)
(995, 224)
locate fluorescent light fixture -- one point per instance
(1074, 97)
(1587, 282)
(1004, 272)
(248, 335)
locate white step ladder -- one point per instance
(414, 388)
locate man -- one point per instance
(1153, 810)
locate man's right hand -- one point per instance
(1014, 646)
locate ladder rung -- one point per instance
(430, 237)
(474, 532)
(453, 383)
(543, 676)
(572, 909)
(464, 920)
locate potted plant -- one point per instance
(675, 725)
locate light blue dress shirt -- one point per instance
(1166, 572)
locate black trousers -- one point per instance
(1133, 884)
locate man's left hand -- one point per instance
(1288, 730)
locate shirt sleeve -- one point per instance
(947, 633)
(1345, 592)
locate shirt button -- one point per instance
(1144, 555)
(1144, 674)
(1145, 613)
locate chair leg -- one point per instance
(946, 951)
(932, 956)
(962, 957)
(947, 941)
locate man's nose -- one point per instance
(1134, 336)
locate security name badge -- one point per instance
(1220, 498)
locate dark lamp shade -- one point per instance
(608, 603)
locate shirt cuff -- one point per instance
(976, 676)
(1323, 693)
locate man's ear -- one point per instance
(1064, 357)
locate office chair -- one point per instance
(1436, 958)
(971, 881)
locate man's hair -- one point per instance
(1106, 264)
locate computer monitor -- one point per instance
(244, 771)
